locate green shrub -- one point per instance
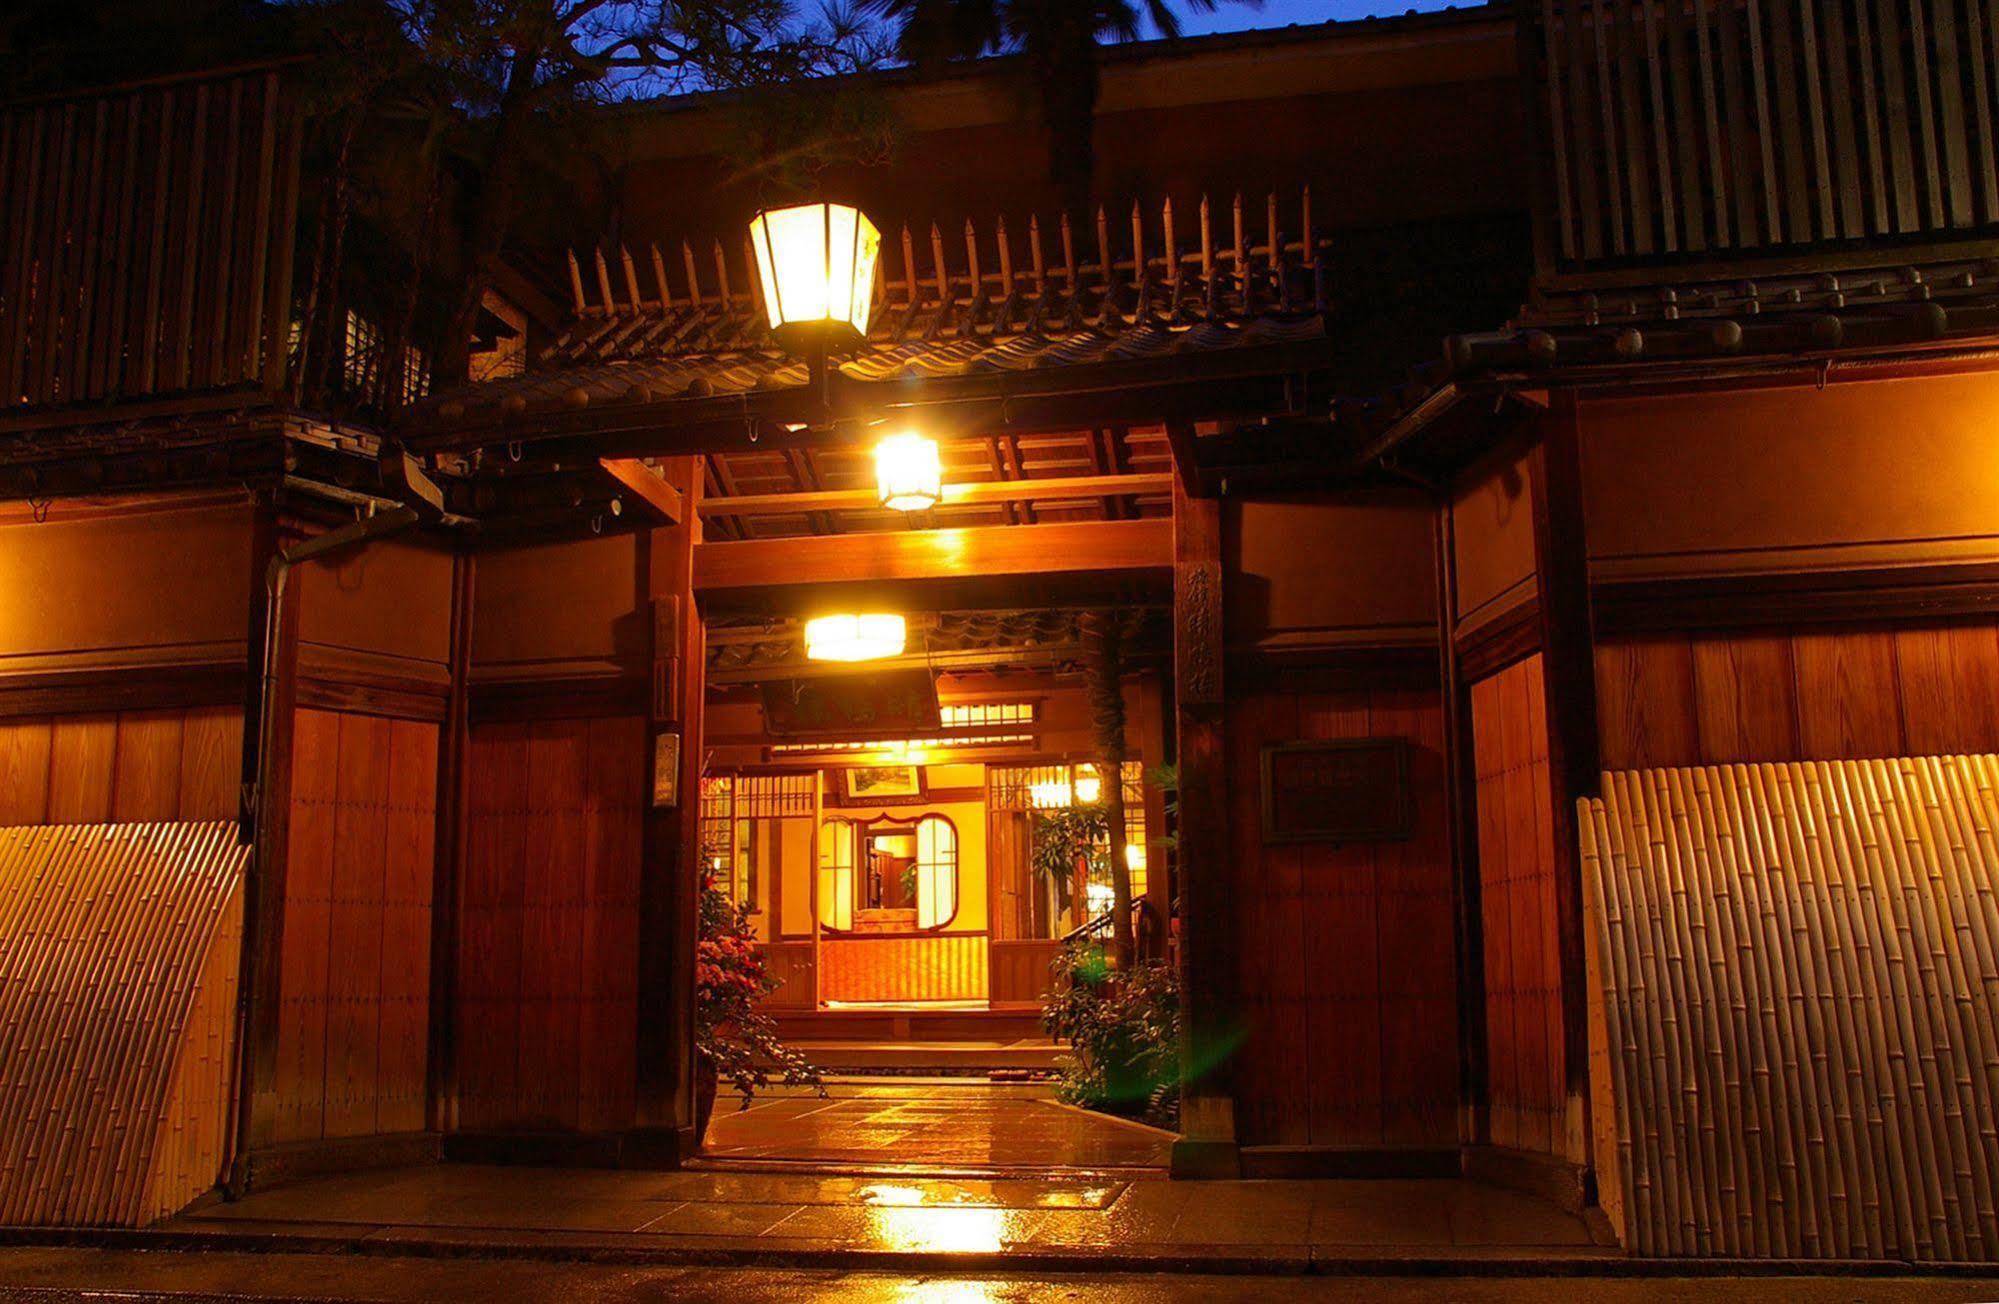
(1124, 1032)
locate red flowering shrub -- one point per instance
(731, 1031)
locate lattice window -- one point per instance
(776, 796)
(1054, 787)
(983, 715)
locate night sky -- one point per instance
(1239, 15)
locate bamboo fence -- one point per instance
(1801, 994)
(108, 937)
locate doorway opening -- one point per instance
(915, 847)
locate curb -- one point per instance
(1045, 1262)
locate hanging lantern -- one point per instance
(817, 266)
(855, 637)
(908, 473)
(1089, 788)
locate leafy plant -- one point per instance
(731, 1032)
(1124, 1029)
(1062, 838)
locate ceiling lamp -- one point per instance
(909, 473)
(1088, 786)
(817, 266)
(854, 637)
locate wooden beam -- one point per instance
(1090, 547)
(664, 500)
(1053, 489)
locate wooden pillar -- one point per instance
(670, 870)
(267, 771)
(1207, 1146)
(1461, 792)
(1152, 749)
(1568, 664)
(447, 885)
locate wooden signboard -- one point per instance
(1337, 790)
(885, 704)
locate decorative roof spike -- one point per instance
(972, 259)
(659, 277)
(1207, 241)
(908, 266)
(604, 284)
(693, 274)
(1068, 254)
(631, 278)
(755, 288)
(1005, 257)
(1034, 253)
(937, 267)
(1274, 249)
(1139, 270)
(1241, 250)
(1172, 244)
(576, 283)
(722, 274)
(1104, 246)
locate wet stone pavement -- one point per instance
(931, 1124)
(912, 1174)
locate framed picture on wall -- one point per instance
(875, 782)
(1337, 790)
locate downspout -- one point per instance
(375, 525)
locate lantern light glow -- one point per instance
(816, 264)
(850, 637)
(908, 473)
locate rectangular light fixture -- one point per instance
(855, 637)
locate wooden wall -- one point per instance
(548, 945)
(1346, 970)
(117, 1018)
(125, 586)
(941, 967)
(1309, 573)
(1786, 478)
(170, 764)
(1812, 694)
(149, 240)
(355, 961)
(1526, 1082)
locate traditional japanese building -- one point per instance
(1540, 468)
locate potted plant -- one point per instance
(733, 1037)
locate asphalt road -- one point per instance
(46, 1276)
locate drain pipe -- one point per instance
(375, 525)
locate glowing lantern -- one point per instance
(1134, 857)
(817, 266)
(909, 473)
(1088, 786)
(854, 637)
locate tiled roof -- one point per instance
(643, 380)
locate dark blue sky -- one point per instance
(1238, 16)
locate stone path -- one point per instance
(941, 1124)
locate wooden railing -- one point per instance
(1710, 127)
(146, 239)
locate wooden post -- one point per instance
(267, 769)
(1461, 794)
(670, 870)
(1152, 749)
(447, 886)
(1568, 666)
(1207, 1146)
